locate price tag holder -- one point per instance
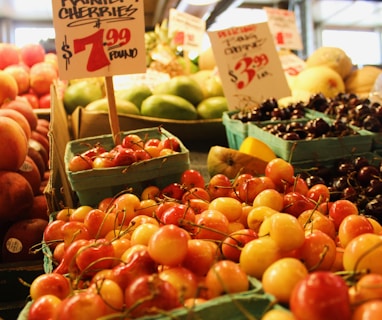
(282, 24)
(249, 65)
(99, 38)
(187, 30)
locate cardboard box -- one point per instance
(58, 192)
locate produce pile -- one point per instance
(194, 240)
(26, 74)
(183, 97)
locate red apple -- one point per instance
(21, 75)
(19, 118)
(13, 144)
(8, 87)
(9, 54)
(31, 54)
(42, 75)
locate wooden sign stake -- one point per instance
(113, 114)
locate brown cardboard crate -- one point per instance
(88, 124)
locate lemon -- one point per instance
(257, 148)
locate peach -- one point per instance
(21, 75)
(9, 54)
(20, 239)
(8, 87)
(42, 75)
(13, 144)
(23, 106)
(32, 53)
(16, 196)
(19, 118)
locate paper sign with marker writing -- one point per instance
(99, 38)
(282, 24)
(249, 65)
(292, 64)
(187, 30)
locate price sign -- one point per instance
(249, 65)
(291, 63)
(99, 38)
(187, 30)
(282, 24)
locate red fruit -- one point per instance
(21, 75)
(30, 171)
(42, 75)
(9, 89)
(296, 203)
(153, 294)
(19, 118)
(321, 295)
(9, 55)
(16, 196)
(32, 53)
(23, 106)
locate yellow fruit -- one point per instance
(212, 108)
(332, 57)
(319, 79)
(182, 86)
(361, 81)
(233, 162)
(257, 148)
(168, 106)
(207, 59)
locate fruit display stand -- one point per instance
(191, 132)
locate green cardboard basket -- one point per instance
(94, 185)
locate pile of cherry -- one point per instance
(193, 241)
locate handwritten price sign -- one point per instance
(282, 24)
(99, 38)
(249, 65)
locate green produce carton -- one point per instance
(315, 149)
(92, 186)
(235, 129)
(239, 306)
